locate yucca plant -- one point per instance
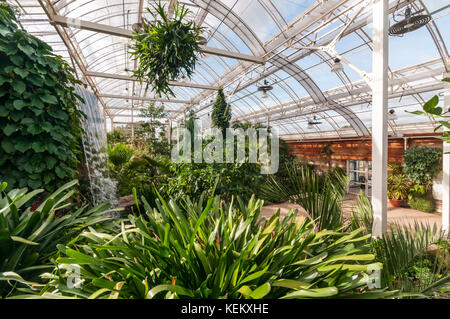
(320, 197)
(209, 249)
(405, 245)
(29, 232)
(362, 215)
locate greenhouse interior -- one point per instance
(224, 149)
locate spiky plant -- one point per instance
(321, 198)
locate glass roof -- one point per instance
(275, 31)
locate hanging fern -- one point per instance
(165, 49)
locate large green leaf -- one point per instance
(50, 99)
(19, 86)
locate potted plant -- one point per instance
(397, 189)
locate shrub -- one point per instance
(423, 204)
(422, 164)
(39, 119)
(120, 154)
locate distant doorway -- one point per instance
(360, 173)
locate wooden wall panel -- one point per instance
(358, 150)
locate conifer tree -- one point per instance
(221, 114)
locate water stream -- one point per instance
(103, 187)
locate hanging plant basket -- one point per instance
(165, 48)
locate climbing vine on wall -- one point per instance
(39, 121)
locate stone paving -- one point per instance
(401, 215)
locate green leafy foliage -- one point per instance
(206, 249)
(421, 203)
(119, 155)
(221, 113)
(422, 164)
(165, 48)
(320, 197)
(432, 110)
(362, 216)
(116, 136)
(152, 133)
(398, 186)
(141, 172)
(403, 246)
(39, 121)
(186, 179)
(30, 229)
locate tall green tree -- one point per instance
(221, 114)
(154, 131)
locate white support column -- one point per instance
(446, 170)
(379, 115)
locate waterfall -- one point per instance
(103, 188)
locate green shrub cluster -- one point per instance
(423, 204)
(29, 233)
(422, 164)
(39, 120)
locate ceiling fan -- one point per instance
(411, 22)
(313, 121)
(266, 87)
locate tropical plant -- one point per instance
(405, 245)
(422, 203)
(326, 152)
(422, 164)
(397, 187)
(116, 136)
(208, 249)
(165, 48)
(225, 179)
(394, 169)
(320, 197)
(154, 130)
(119, 155)
(29, 230)
(39, 119)
(362, 216)
(221, 113)
(142, 172)
(432, 110)
(420, 197)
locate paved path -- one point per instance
(401, 215)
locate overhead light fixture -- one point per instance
(201, 40)
(392, 116)
(337, 66)
(412, 21)
(312, 122)
(137, 26)
(266, 87)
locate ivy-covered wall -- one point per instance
(39, 121)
